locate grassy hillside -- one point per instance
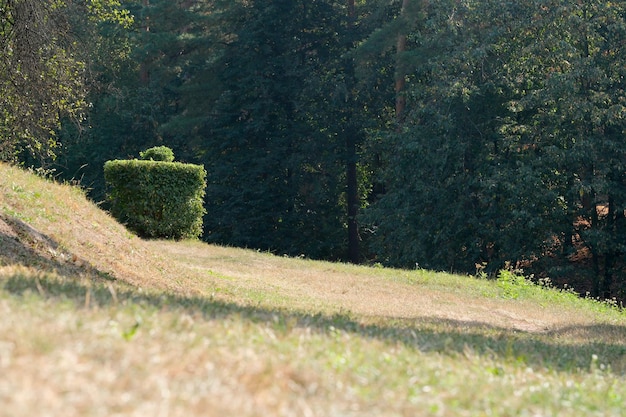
(96, 322)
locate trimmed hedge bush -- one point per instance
(157, 199)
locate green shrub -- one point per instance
(158, 153)
(512, 283)
(157, 199)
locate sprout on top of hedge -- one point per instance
(158, 153)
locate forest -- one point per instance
(453, 135)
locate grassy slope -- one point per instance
(96, 322)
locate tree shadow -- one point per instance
(570, 349)
(22, 245)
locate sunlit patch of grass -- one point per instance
(514, 285)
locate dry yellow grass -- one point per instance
(52, 227)
(332, 288)
(96, 322)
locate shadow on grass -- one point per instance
(565, 349)
(21, 244)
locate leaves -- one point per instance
(157, 199)
(518, 109)
(42, 72)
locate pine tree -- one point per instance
(272, 171)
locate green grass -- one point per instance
(188, 329)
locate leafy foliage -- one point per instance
(158, 153)
(133, 92)
(157, 199)
(509, 150)
(43, 72)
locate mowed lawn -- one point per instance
(96, 322)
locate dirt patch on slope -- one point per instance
(342, 289)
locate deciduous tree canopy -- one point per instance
(43, 71)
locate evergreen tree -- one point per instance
(272, 172)
(135, 90)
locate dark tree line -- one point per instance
(444, 134)
(512, 145)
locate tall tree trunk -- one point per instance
(607, 279)
(590, 211)
(400, 76)
(144, 72)
(352, 196)
(567, 247)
